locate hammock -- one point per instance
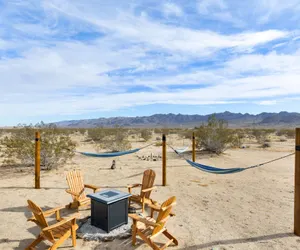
(214, 170)
(114, 154)
(181, 150)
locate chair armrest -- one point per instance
(135, 217)
(154, 207)
(95, 188)
(62, 222)
(148, 189)
(72, 193)
(157, 208)
(52, 211)
(133, 186)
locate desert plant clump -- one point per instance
(146, 134)
(289, 133)
(262, 136)
(215, 136)
(19, 147)
(112, 139)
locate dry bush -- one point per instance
(113, 139)
(289, 133)
(262, 136)
(146, 134)
(215, 136)
(19, 147)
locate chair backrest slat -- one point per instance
(148, 182)
(164, 214)
(75, 182)
(39, 217)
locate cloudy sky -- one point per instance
(76, 59)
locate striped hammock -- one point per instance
(114, 154)
(215, 170)
(181, 150)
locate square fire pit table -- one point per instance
(109, 209)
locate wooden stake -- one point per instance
(37, 160)
(194, 147)
(164, 161)
(297, 185)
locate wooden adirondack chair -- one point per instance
(146, 188)
(149, 228)
(76, 189)
(57, 233)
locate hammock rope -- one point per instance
(114, 154)
(215, 170)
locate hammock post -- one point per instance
(37, 160)
(194, 148)
(297, 185)
(164, 160)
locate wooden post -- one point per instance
(37, 160)
(164, 161)
(194, 147)
(297, 185)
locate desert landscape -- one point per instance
(252, 209)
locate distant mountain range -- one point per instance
(282, 119)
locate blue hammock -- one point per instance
(114, 154)
(214, 170)
(181, 150)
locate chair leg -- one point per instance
(73, 232)
(134, 229)
(61, 240)
(34, 243)
(143, 206)
(171, 237)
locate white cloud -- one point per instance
(274, 8)
(267, 103)
(172, 9)
(207, 6)
(77, 77)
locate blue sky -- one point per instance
(87, 59)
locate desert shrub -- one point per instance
(114, 139)
(165, 131)
(96, 134)
(157, 130)
(266, 145)
(19, 148)
(146, 134)
(238, 136)
(215, 136)
(289, 133)
(158, 144)
(260, 135)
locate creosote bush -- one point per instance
(215, 136)
(113, 139)
(19, 148)
(146, 134)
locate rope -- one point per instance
(264, 163)
(254, 166)
(148, 145)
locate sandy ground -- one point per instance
(248, 210)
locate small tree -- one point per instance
(146, 134)
(215, 136)
(116, 139)
(19, 148)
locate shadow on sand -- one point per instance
(239, 241)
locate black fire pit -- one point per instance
(109, 209)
